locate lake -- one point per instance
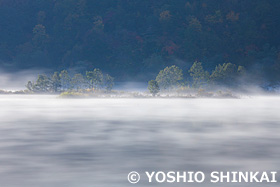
(52, 142)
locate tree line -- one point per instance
(63, 81)
(171, 77)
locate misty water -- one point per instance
(52, 142)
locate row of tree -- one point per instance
(170, 78)
(63, 81)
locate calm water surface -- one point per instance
(51, 142)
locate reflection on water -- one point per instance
(50, 142)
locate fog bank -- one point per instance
(80, 142)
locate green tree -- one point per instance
(153, 87)
(30, 86)
(199, 76)
(169, 78)
(42, 84)
(226, 74)
(56, 82)
(90, 79)
(77, 81)
(241, 70)
(217, 74)
(95, 78)
(65, 80)
(108, 82)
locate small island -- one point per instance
(225, 81)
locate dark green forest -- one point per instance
(133, 39)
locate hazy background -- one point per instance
(133, 40)
(51, 142)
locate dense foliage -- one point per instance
(153, 87)
(63, 81)
(131, 37)
(171, 79)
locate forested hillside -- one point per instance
(136, 38)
